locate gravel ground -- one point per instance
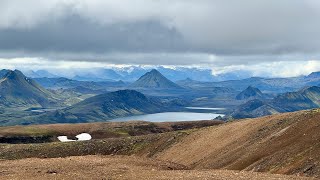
(117, 167)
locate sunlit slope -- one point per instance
(287, 143)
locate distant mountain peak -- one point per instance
(16, 74)
(18, 90)
(154, 79)
(249, 92)
(251, 88)
(154, 71)
(314, 75)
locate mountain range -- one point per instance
(65, 83)
(306, 98)
(132, 73)
(71, 100)
(237, 80)
(39, 74)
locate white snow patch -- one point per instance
(64, 139)
(84, 137)
(80, 137)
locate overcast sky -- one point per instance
(223, 35)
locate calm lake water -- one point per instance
(171, 117)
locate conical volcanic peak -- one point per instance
(250, 92)
(154, 79)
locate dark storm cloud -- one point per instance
(74, 34)
(141, 31)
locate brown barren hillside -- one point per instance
(280, 144)
(119, 167)
(287, 144)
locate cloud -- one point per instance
(258, 69)
(223, 33)
(273, 69)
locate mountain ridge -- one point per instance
(305, 98)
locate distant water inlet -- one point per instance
(171, 117)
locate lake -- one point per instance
(170, 117)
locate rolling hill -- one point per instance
(106, 106)
(306, 98)
(16, 90)
(154, 79)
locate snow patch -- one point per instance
(64, 139)
(84, 137)
(80, 137)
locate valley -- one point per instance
(53, 99)
(185, 129)
(159, 90)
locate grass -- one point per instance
(117, 146)
(101, 130)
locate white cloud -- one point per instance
(263, 69)
(274, 69)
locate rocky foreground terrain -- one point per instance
(284, 146)
(119, 167)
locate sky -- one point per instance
(268, 37)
